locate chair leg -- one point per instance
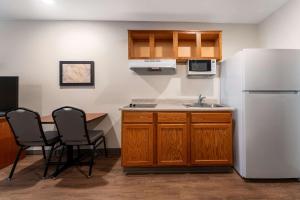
(92, 160)
(78, 152)
(60, 158)
(15, 164)
(44, 153)
(47, 161)
(104, 143)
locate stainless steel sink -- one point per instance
(204, 105)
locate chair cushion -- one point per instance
(51, 136)
(95, 135)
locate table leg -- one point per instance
(70, 154)
(68, 163)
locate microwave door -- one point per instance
(199, 66)
(202, 67)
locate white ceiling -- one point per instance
(213, 11)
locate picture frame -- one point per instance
(76, 73)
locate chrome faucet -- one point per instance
(201, 98)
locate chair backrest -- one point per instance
(26, 126)
(71, 125)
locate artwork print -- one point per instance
(76, 73)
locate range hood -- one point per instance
(153, 65)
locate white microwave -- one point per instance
(202, 67)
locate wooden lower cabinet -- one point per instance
(137, 145)
(151, 139)
(8, 146)
(211, 144)
(171, 144)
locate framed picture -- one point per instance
(76, 73)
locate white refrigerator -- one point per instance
(264, 87)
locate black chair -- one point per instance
(28, 132)
(72, 128)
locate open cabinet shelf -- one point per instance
(163, 44)
(139, 45)
(187, 45)
(179, 45)
(211, 45)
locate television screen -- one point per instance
(9, 93)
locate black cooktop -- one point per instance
(141, 105)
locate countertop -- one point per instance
(177, 107)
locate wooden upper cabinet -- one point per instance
(180, 45)
(188, 45)
(138, 44)
(211, 45)
(163, 44)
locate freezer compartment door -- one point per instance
(272, 129)
(271, 69)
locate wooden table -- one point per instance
(89, 117)
(70, 160)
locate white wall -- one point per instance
(32, 50)
(282, 28)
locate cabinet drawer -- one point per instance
(138, 117)
(171, 117)
(211, 117)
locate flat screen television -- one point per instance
(9, 93)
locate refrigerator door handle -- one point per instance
(272, 91)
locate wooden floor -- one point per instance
(109, 182)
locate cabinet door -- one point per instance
(171, 144)
(211, 144)
(137, 145)
(8, 146)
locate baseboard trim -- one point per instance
(176, 170)
(110, 151)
